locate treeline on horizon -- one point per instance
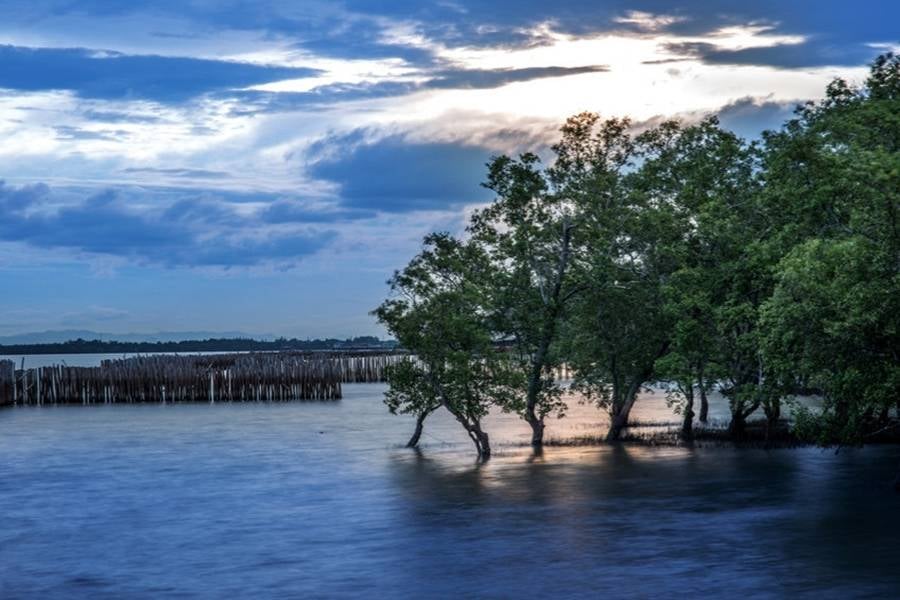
(680, 255)
(81, 346)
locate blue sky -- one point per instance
(264, 166)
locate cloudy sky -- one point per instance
(264, 165)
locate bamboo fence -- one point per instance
(255, 377)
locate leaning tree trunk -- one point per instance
(470, 423)
(420, 421)
(621, 412)
(476, 434)
(480, 439)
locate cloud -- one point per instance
(111, 75)
(492, 78)
(394, 174)
(112, 116)
(249, 102)
(412, 30)
(188, 233)
(179, 172)
(816, 53)
(66, 132)
(290, 211)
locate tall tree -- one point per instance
(703, 177)
(618, 330)
(437, 313)
(530, 232)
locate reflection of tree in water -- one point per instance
(719, 478)
(705, 517)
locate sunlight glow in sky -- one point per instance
(264, 166)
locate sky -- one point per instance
(264, 165)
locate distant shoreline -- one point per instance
(81, 346)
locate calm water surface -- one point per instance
(313, 500)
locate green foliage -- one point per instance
(832, 320)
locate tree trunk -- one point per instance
(470, 424)
(842, 410)
(548, 332)
(773, 413)
(534, 382)
(687, 426)
(704, 403)
(537, 428)
(414, 440)
(620, 418)
(481, 441)
(738, 426)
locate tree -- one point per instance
(686, 175)
(652, 258)
(437, 313)
(530, 233)
(832, 320)
(411, 392)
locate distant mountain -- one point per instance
(64, 335)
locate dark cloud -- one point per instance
(808, 54)
(395, 175)
(112, 116)
(105, 75)
(290, 211)
(188, 233)
(491, 78)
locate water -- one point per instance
(319, 500)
